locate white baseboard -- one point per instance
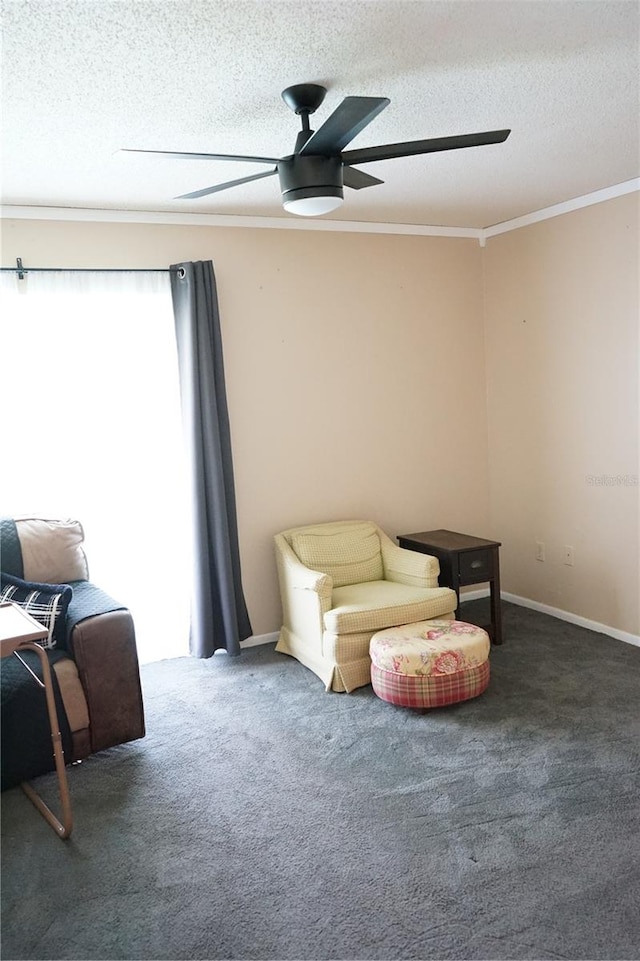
(556, 612)
(474, 595)
(573, 618)
(634, 639)
(256, 639)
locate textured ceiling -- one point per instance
(83, 78)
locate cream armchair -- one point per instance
(340, 583)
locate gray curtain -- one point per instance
(219, 618)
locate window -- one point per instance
(91, 416)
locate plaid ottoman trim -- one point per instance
(438, 690)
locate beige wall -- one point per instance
(354, 367)
(561, 319)
(360, 371)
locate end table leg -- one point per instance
(496, 608)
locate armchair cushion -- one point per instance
(348, 556)
(362, 607)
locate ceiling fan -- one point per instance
(312, 177)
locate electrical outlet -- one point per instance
(539, 551)
(568, 555)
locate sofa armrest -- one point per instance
(409, 567)
(104, 649)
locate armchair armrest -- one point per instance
(300, 577)
(409, 567)
(305, 594)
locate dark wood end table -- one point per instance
(464, 560)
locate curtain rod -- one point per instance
(21, 270)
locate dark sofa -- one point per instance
(94, 662)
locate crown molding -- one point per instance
(8, 212)
(481, 234)
(597, 197)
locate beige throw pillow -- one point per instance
(51, 550)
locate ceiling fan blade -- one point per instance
(358, 178)
(230, 183)
(204, 156)
(346, 121)
(413, 147)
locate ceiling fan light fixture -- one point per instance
(313, 202)
(311, 186)
(312, 177)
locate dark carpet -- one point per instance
(262, 818)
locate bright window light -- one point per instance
(89, 394)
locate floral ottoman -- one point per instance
(430, 663)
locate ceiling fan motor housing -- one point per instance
(312, 175)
